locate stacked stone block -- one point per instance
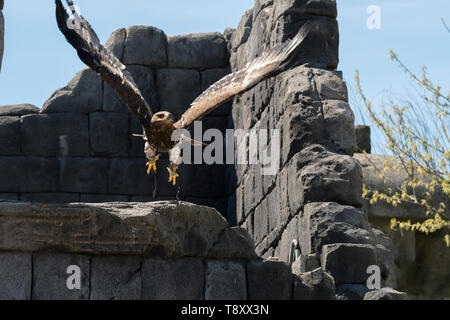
(316, 196)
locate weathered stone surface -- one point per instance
(51, 277)
(9, 135)
(339, 121)
(314, 7)
(269, 280)
(144, 78)
(18, 110)
(181, 279)
(330, 86)
(186, 83)
(83, 94)
(233, 243)
(15, 276)
(136, 144)
(363, 142)
(347, 262)
(116, 278)
(317, 175)
(145, 46)
(116, 42)
(328, 222)
(211, 76)
(314, 285)
(242, 32)
(385, 294)
(225, 281)
(54, 135)
(83, 175)
(50, 197)
(28, 174)
(160, 229)
(197, 51)
(108, 134)
(261, 221)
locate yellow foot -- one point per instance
(173, 176)
(152, 165)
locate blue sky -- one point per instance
(38, 61)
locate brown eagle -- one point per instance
(159, 127)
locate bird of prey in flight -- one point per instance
(159, 127)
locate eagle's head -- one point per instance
(163, 117)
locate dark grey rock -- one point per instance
(9, 135)
(145, 46)
(351, 291)
(18, 110)
(233, 243)
(261, 221)
(55, 135)
(322, 176)
(320, 49)
(116, 278)
(242, 32)
(385, 294)
(101, 198)
(128, 176)
(269, 280)
(116, 42)
(348, 263)
(144, 78)
(83, 175)
(108, 133)
(50, 277)
(329, 222)
(330, 86)
(83, 94)
(314, 285)
(15, 276)
(314, 7)
(177, 89)
(339, 121)
(225, 281)
(28, 174)
(197, 51)
(50, 197)
(363, 142)
(177, 280)
(159, 229)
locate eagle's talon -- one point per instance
(173, 176)
(152, 165)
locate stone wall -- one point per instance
(163, 250)
(315, 198)
(79, 147)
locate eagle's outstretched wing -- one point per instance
(255, 71)
(84, 39)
